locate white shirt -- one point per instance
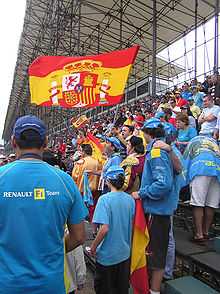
(208, 127)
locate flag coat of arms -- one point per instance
(83, 81)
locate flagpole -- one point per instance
(115, 117)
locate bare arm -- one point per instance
(100, 236)
(216, 134)
(75, 237)
(210, 117)
(201, 118)
(181, 143)
(96, 173)
(176, 162)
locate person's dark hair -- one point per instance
(131, 128)
(50, 158)
(187, 107)
(87, 149)
(168, 114)
(137, 144)
(158, 132)
(30, 139)
(119, 182)
(115, 149)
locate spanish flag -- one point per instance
(97, 147)
(79, 122)
(139, 274)
(83, 81)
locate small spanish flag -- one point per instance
(80, 122)
(139, 275)
(83, 81)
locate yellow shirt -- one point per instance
(195, 111)
(86, 163)
(129, 122)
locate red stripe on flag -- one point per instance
(139, 219)
(139, 281)
(43, 65)
(95, 140)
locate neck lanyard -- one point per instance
(30, 155)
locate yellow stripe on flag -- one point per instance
(139, 245)
(40, 87)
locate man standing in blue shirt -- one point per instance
(36, 201)
(159, 196)
(112, 246)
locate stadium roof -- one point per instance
(69, 27)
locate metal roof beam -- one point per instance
(208, 3)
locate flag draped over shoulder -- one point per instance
(83, 81)
(139, 275)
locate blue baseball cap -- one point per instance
(29, 122)
(169, 129)
(113, 172)
(152, 123)
(115, 141)
(159, 114)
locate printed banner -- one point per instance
(202, 158)
(84, 81)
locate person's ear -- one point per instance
(45, 142)
(13, 142)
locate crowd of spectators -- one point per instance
(126, 131)
(183, 107)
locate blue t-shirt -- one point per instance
(186, 95)
(187, 134)
(36, 202)
(115, 209)
(198, 98)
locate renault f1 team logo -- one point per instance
(39, 194)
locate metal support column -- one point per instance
(216, 45)
(154, 61)
(195, 48)
(79, 17)
(71, 28)
(57, 28)
(98, 37)
(121, 21)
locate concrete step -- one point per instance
(188, 285)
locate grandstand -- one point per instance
(55, 27)
(81, 27)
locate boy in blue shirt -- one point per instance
(112, 246)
